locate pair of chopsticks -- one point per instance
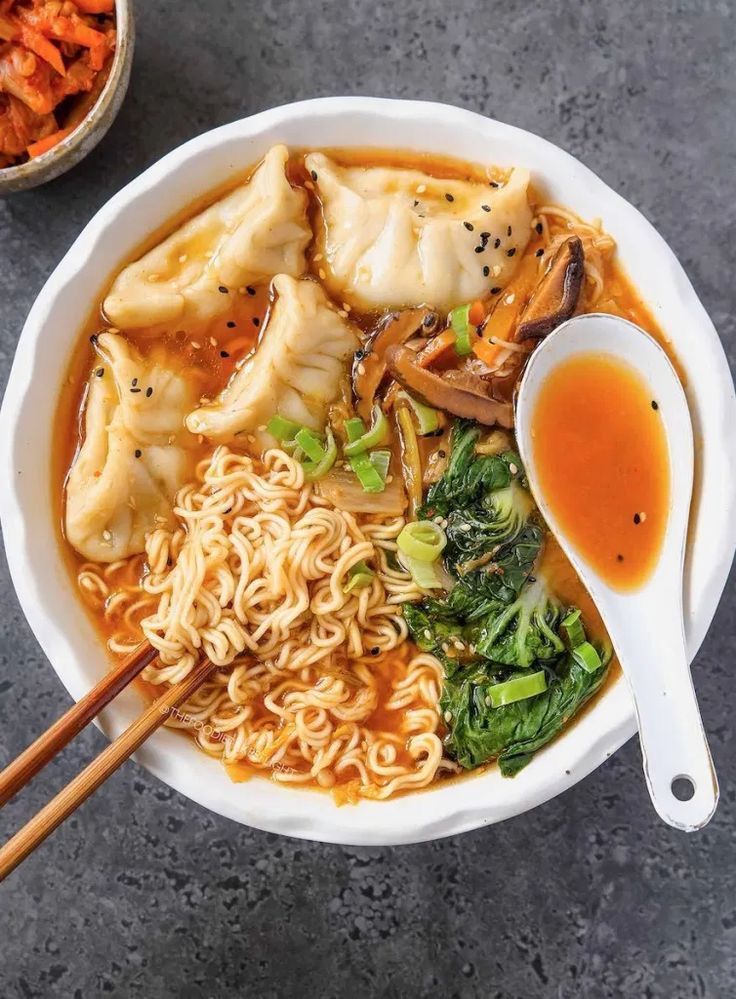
(32, 760)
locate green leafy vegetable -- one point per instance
(525, 631)
(496, 620)
(514, 732)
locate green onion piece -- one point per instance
(378, 434)
(310, 444)
(359, 576)
(574, 629)
(354, 429)
(381, 461)
(368, 475)
(424, 574)
(518, 688)
(585, 655)
(282, 429)
(427, 418)
(460, 322)
(423, 540)
(314, 470)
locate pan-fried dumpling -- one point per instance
(395, 238)
(259, 230)
(136, 452)
(295, 370)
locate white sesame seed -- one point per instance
(513, 469)
(153, 277)
(497, 270)
(510, 299)
(107, 536)
(183, 258)
(317, 257)
(421, 189)
(489, 702)
(322, 274)
(448, 716)
(642, 516)
(427, 634)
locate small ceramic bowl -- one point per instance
(88, 133)
(27, 508)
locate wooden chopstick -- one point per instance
(78, 790)
(17, 774)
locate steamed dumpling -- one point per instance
(136, 453)
(295, 370)
(259, 230)
(395, 238)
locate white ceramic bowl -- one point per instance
(26, 434)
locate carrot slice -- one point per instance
(476, 313)
(47, 51)
(43, 145)
(487, 352)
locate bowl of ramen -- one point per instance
(263, 409)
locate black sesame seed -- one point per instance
(496, 291)
(430, 320)
(359, 355)
(479, 249)
(222, 289)
(637, 518)
(539, 227)
(486, 271)
(416, 203)
(469, 226)
(93, 338)
(496, 244)
(375, 651)
(149, 392)
(134, 390)
(134, 382)
(442, 453)
(655, 405)
(250, 290)
(449, 197)
(256, 321)
(486, 208)
(231, 325)
(138, 452)
(511, 252)
(224, 353)
(314, 174)
(540, 252)
(494, 184)
(485, 236)
(532, 579)
(619, 558)
(508, 231)
(100, 372)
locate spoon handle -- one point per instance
(677, 763)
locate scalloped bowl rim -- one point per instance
(64, 630)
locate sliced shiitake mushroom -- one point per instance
(369, 367)
(556, 296)
(459, 392)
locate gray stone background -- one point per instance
(142, 893)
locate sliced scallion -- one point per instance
(573, 626)
(423, 540)
(310, 444)
(359, 576)
(381, 461)
(585, 655)
(428, 420)
(379, 433)
(316, 468)
(460, 322)
(424, 574)
(369, 476)
(518, 688)
(282, 429)
(354, 429)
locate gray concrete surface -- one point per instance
(143, 893)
